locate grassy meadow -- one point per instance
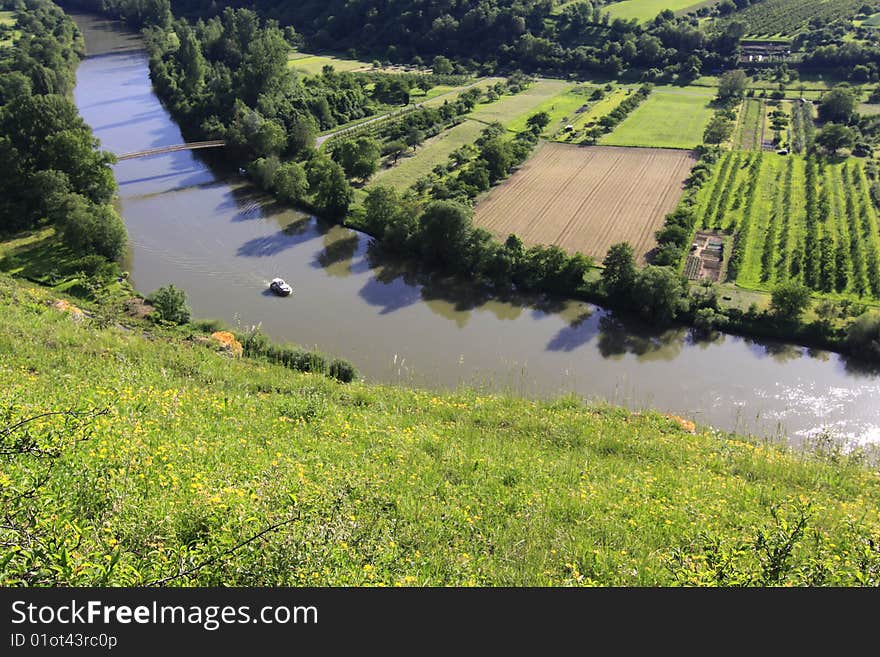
(671, 117)
(185, 453)
(314, 64)
(645, 10)
(513, 110)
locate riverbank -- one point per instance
(219, 239)
(181, 451)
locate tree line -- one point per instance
(53, 171)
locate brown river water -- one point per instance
(222, 241)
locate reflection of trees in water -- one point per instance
(703, 339)
(577, 333)
(860, 368)
(340, 246)
(618, 337)
(780, 352)
(448, 297)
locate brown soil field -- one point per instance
(586, 198)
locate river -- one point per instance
(221, 240)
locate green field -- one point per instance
(514, 110)
(314, 64)
(827, 239)
(511, 110)
(671, 117)
(198, 452)
(871, 21)
(747, 135)
(593, 113)
(645, 10)
(561, 109)
(433, 152)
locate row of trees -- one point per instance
(441, 234)
(53, 172)
(473, 169)
(498, 35)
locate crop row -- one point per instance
(789, 16)
(796, 218)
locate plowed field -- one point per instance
(588, 198)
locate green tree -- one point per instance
(441, 65)
(395, 149)
(290, 182)
(838, 105)
(619, 271)
(719, 129)
(381, 208)
(170, 304)
(192, 61)
(540, 120)
(660, 294)
(863, 336)
(443, 229)
(498, 158)
(732, 85)
(329, 186)
(834, 136)
(414, 138)
(789, 300)
(359, 157)
(92, 228)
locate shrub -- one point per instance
(789, 300)
(170, 304)
(863, 337)
(92, 228)
(342, 370)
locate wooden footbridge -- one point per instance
(191, 146)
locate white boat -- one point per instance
(279, 287)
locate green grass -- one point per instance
(593, 113)
(41, 257)
(417, 95)
(450, 93)
(671, 117)
(871, 21)
(433, 152)
(561, 109)
(198, 452)
(748, 128)
(645, 10)
(515, 109)
(314, 64)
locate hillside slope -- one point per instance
(198, 452)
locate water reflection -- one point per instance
(778, 351)
(579, 332)
(340, 246)
(618, 337)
